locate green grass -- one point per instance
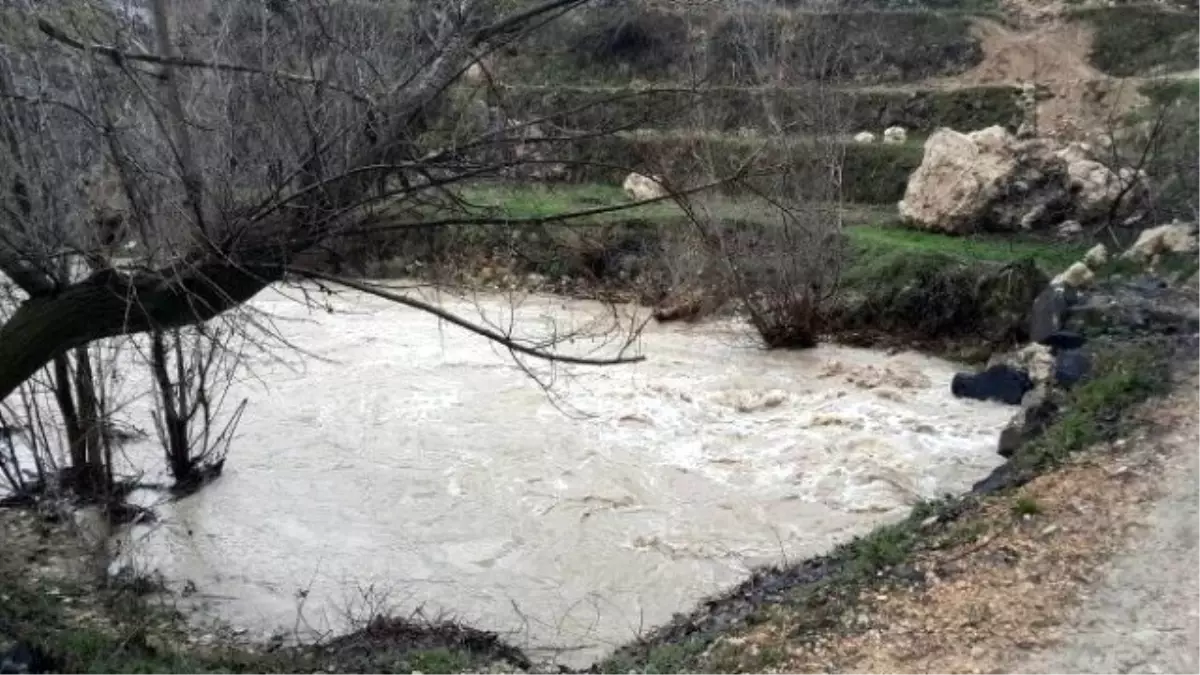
(870, 229)
(786, 166)
(1123, 376)
(1026, 506)
(1051, 256)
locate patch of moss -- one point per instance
(1026, 506)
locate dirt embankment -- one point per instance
(1079, 100)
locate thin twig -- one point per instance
(59, 35)
(440, 313)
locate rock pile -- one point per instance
(1073, 306)
(991, 180)
(1058, 357)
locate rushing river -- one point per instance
(408, 462)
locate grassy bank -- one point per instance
(80, 628)
(962, 297)
(870, 229)
(73, 623)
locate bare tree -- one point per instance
(161, 167)
(782, 264)
(192, 369)
(239, 167)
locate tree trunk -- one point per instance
(109, 304)
(173, 410)
(65, 397)
(93, 475)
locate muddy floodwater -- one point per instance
(404, 463)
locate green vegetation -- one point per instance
(871, 231)
(951, 304)
(1184, 91)
(959, 296)
(1026, 506)
(1171, 154)
(1124, 375)
(615, 44)
(737, 109)
(1142, 39)
(132, 635)
(875, 242)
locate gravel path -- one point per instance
(1142, 615)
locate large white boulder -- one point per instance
(1097, 256)
(1170, 238)
(641, 188)
(864, 137)
(894, 135)
(992, 180)
(1078, 275)
(959, 176)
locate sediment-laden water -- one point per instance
(407, 464)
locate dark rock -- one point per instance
(998, 383)
(1072, 366)
(1037, 411)
(1148, 285)
(1011, 438)
(1001, 478)
(1005, 298)
(1134, 307)
(25, 658)
(1064, 339)
(1049, 310)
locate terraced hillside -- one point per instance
(701, 89)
